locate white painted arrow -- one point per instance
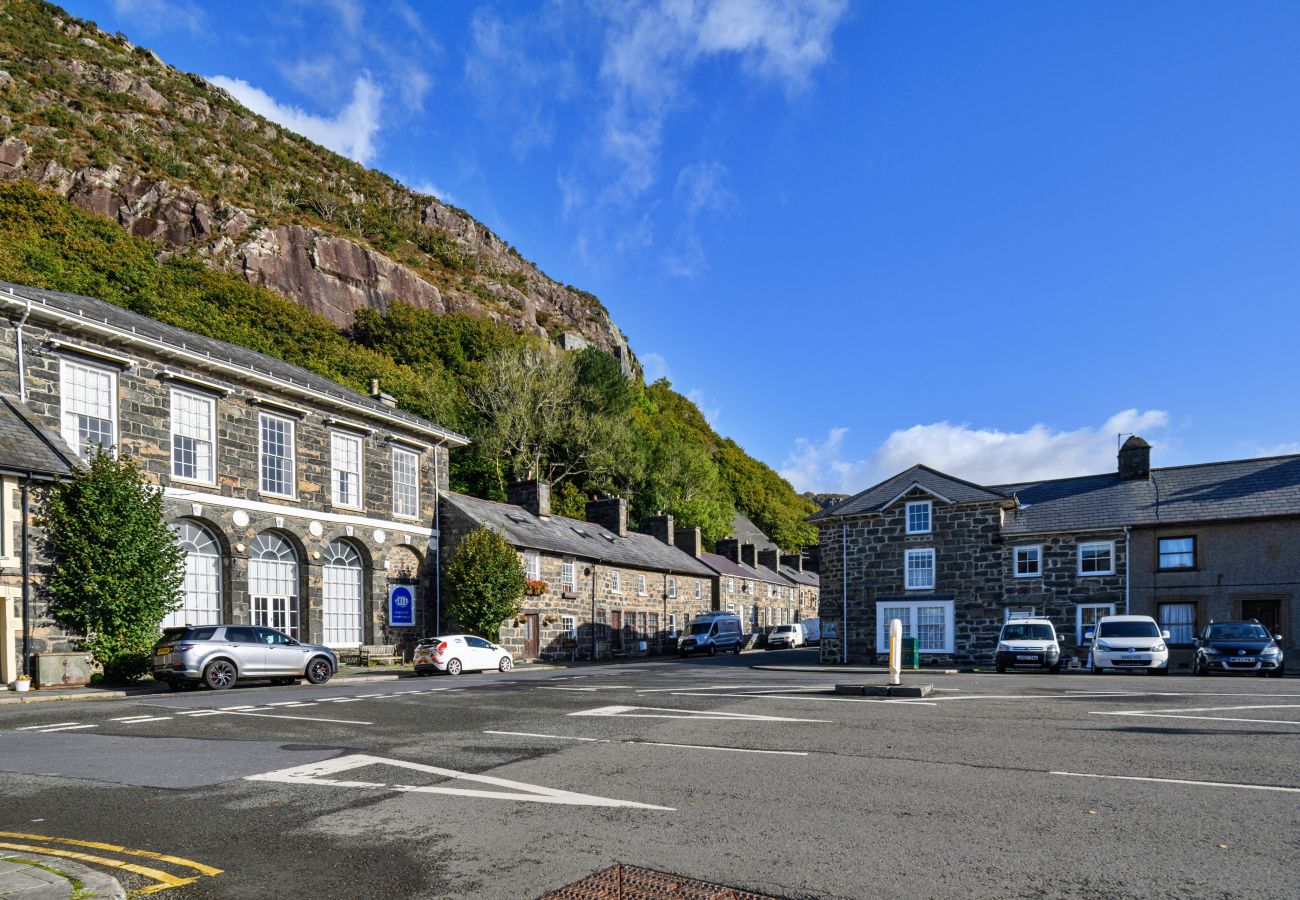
(316, 773)
(660, 712)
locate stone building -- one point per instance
(298, 502)
(763, 587)
(953, 560)
(599, 586)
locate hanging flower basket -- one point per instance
(534, 588)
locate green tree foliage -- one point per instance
(484, 583)
(116, 567)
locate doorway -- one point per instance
(530, 636)
(1267, 611)
(616, 630)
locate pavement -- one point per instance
(511, 785)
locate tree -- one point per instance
(116, 567)
(484, 583)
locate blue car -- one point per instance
(1238, 647)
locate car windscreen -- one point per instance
(1027, 632)
(1246, 631)
(1128, 630)
(701, 628)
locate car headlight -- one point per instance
(1003, 648)
(1212, 651)
(1102, 645)
(1158, 648)
(1271, 650)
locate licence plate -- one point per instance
(162, 651)
(1026, 656)
(1241, 659)
(1133, 656)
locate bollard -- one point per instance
(895, 651)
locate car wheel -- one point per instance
(1163, 670)
(1097, 670)
(506, 664)
(420, 673)
(1055, 669)
(736, 650)
(453, 667)
(319, 670)
(173, 684)
(1001, 668)
(1197, 668)
(220, 674)
(713, 650)
(1277, 673)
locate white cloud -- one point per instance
(981, 455)
(1288, 448)
(351, 132)
(162, 15)
(701, 187)
(708, 407)
(655, 367)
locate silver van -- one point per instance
(220, 655)
(710, 633)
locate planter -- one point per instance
(22, 684)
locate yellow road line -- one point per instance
(114, 848)
(164, 879)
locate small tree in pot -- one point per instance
(484, 583)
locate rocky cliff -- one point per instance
(173, 158)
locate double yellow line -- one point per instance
(165, 880)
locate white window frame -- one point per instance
(928, 506)
(672, 624)
(399, 507)
(913, 609)
(1091, 545)
(616, 582)
(212, 436)
(640, 585)
(569, 626)
(672, 588)
(1020, 612)
(262, 418)
(72, 435)
(699, 590)
(335, 469)
(532, 565)
(569, 575)
(1109, 610)
(916, 553)
(1015, 561)
(731, 584)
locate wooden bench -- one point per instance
(369, 654)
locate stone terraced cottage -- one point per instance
(953, 560)
(763, 587)
(601, 588)
(299, 502)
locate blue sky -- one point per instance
(986, 236)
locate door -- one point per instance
(1269, 613)
(531, 649)
(616, 630)
(248, 652)
(480, 654)
(284, 655)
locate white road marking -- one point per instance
(1141, 715)
(46, 725)
(368, 696)
(294, 718)
(736, 687)
(140, 720)
(315, 773)
(347, 700)
(565, 737)
(67, 728)
(660, 712)
(285, 703)
(1225, 784)
(810, 697)
(228, 708)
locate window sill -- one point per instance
(928, 587)
(270, 496)
(1096, 574)
(403, 518)
(1035, 575)
(193, 482)
(347, 506)
(568, 595)
(1164, 571)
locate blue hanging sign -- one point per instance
(401, 606)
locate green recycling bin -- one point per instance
(911, 655)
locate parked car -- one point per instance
(1238, 647)
(1128, 642)
(711, 632)
(220, 655)
(812, 630)
(785, 637)
(456, 653)
(1028, 643)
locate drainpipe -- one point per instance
(22, 365)
(27, 577)
(593, 610)
(844, 595)
(437, 545)
(1128, 564)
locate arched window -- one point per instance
(201, 604)
(341, 566)
(273, 583)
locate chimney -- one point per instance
(659, 527)
(728, 547)
(770, 558)
(376, 394)
(689, 541)
(749, 554)
(533, 495)
(812, 554)
(1135, 460)
(792, 561)
(610, 514)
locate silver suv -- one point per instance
(220, 655)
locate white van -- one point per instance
(712, 632)
(812, 630)
(785, 637)
(1028, 643)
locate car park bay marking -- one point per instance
(140, 720)
(47, 725)
(659, 712)
(65, 728)
(1224, 784)
(565, 737)
(760, 696)
(294, 718)
(316, 773)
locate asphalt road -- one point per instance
(502, 786)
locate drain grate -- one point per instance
(622, 882)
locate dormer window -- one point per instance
(918, 517)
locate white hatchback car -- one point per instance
(456, 653)
(1128, 642)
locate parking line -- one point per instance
(811, 697)
(294, 718)
(141, 721)
(1156, 715)
(565, 737)
(1225, 784)
(67, 728)
(47, 725)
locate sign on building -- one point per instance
(401, 606)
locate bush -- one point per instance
(484, 583)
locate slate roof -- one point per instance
(805, 578)
(877, 497)
(1238, 489)
(573, 537)
(744, 530)
(102, 312)
(27, 447)
(724, 566)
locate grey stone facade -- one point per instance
(147, 362)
